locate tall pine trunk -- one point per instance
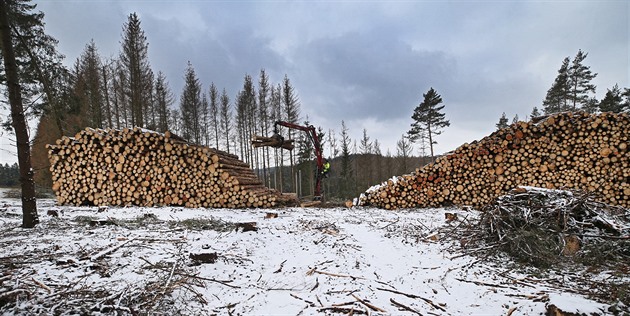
(29, 205)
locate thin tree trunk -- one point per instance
(29, 205)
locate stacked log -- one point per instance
(572, 150)
(145, 168)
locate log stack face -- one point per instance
(564, 151)
(145, 168)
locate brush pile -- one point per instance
(573, 150)
(145, 168)
(542, 227)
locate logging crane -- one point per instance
(277, 141)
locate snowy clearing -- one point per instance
(305, 261)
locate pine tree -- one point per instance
(291, 104)
(191, 106)
(556, 98)
(164, 99)
(428, 118)
(503, 122)
(204, 122)
(43, 78)
(626, 95)
(136, 69)
(535, 113)
(225, 119)
(515, 119)
(214, 113)
(346, 163)
(12, 76)
(89, 87)
(580, 77)
(366, 146)
(264, 106)
(612, 101)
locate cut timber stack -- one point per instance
(573, 150)
(145, 168)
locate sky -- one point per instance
(367, 63)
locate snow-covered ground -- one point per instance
(135, 260)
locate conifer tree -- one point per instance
(612, 101)
(503, 122)
(556, 98)
(20, 31)
(214, 113)
(535, 113)
(427, 117)
(225, 119)
(191, 106)
(164, 99)
(580, 77)
(346, 171)
(291, 104)
(88, 86)
(137, 75)
(572, 87)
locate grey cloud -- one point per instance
(362, 74)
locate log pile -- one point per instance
(145, 168)
(571, 150)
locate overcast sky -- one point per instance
(367, 62)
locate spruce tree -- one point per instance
(503, 122)
(191, 106)
(291, 104)
(164, 99)
(427, 117)
(225, 119)
(346, 163)
(214, 113)
(136, 69)
(88, 86)
(612, 101)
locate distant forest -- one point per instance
(9, 175)
(125, 91)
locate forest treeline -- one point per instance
(9, 175)
(125, 91)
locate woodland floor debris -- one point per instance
(304, 261)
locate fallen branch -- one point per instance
(335, 274)
(111, 249)
(428, 301)
(301, 299)
(487, 284)
(371, 306)
(344, 310)
(193, 276)
(42, 285)
(405, 307)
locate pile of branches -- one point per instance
(543, 227)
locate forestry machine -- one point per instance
(277, 141)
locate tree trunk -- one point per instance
(29, 206)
